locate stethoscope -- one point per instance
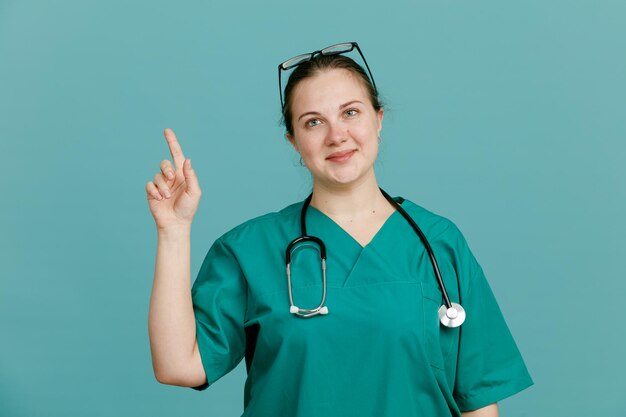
(450, 314)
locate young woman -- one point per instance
(355, 324)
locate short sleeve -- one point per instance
(219, 296)
(490, 366)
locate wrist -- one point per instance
(179, 230)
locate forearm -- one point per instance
(489, 411)
(171, 322)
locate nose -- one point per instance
(337, 133)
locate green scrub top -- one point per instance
(380, 351)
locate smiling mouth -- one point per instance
(341, 156)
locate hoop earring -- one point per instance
(379, 139)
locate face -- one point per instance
(335, 128)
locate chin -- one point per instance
(344, 176)
(345, 180)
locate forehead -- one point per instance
(328, 88)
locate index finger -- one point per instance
(175, 149)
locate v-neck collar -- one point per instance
(344, 253)
(347, 236)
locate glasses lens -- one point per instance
(296, 60)
(340, 48)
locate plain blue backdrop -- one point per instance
(507, 118)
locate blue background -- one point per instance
(507, 118)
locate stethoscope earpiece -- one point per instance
(308, 313)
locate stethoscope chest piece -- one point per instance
(453, 316)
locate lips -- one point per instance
(340, 156)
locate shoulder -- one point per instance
(447, 242)
(435, 226)
(263, 225)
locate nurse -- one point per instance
(380, 350)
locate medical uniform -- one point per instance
(380, 351)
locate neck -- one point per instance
(350, 201)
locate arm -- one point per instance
(489, 411)
(173, 199)
(171, 321)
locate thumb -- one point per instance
(191, 180)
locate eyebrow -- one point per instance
(342, 106)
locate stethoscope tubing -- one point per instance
(450, 314)
(431, 255)
(429, 249)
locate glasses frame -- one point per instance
(325, 51)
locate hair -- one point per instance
(319, 64)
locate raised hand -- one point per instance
(174, 195)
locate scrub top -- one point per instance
(380, 350)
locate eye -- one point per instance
(351, 112)
(312, 122)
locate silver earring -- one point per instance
(379, 139)
(301, 162)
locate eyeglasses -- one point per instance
(340, 48)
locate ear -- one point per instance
(380, 116)
(291, 140)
